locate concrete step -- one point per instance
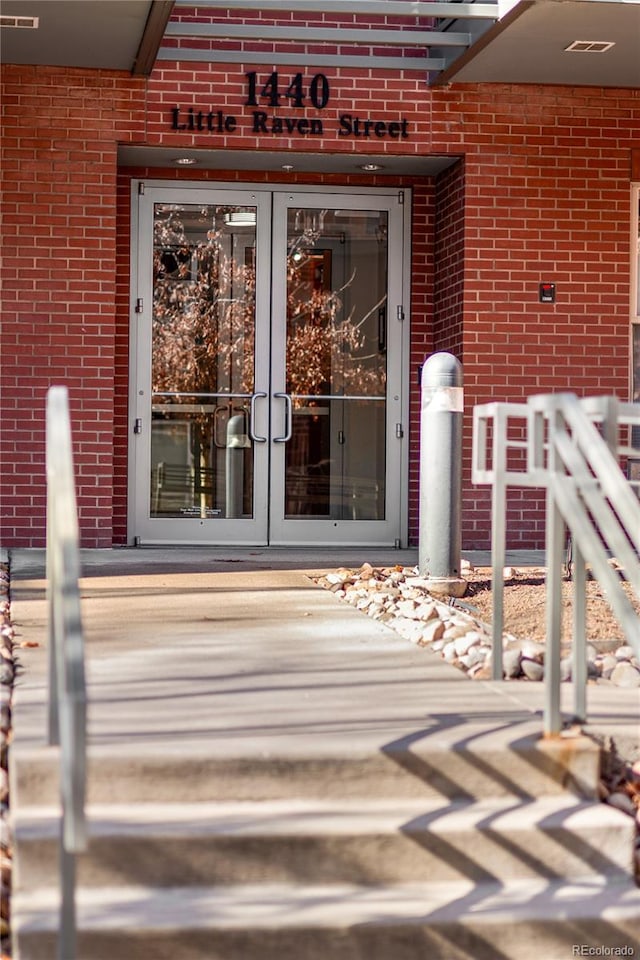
(523, 920)
(463, 761)
(354, 841)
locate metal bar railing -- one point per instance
(588, 493)
(67, 690)
(492, 444)
(573, 448)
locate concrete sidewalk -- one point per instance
(240, 647)
(272, 775)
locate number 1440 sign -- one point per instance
(273, 91)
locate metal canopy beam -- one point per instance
(315, 59)
(479, 16)
(384, 8)
(152, 37)
(402, 38)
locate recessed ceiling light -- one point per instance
(589, 46)
(23, 23)
(371, 167)
(185, 161)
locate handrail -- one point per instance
(588, 493)
(572, 449)
(67, 690)
(490, 448)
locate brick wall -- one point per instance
(121, 360)
(58, 282)
(448, 292)
(547, 175)
(422, 327)
(545, 197)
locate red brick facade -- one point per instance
(541, 192)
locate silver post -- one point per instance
(555, 543)
(237, 442)
(67, 936)
(498, 536)
(440, 536)
(579, 662)
(555, 540)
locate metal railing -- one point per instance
(67, 691)
(572, 448)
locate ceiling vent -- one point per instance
(24, 23)
(589, 46)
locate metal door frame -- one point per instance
(398, 402)
(299, 530)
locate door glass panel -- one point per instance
(202, 361)
(336, 364)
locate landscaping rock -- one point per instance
(626, 675)
(532, 669)
(511, 663)
(400, 597)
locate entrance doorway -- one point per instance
(267, 353)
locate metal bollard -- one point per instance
(440, 535)
(237, 442)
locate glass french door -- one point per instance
(336, 362)
(267, 378)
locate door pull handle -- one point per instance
(289, 427)
(254, 436)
